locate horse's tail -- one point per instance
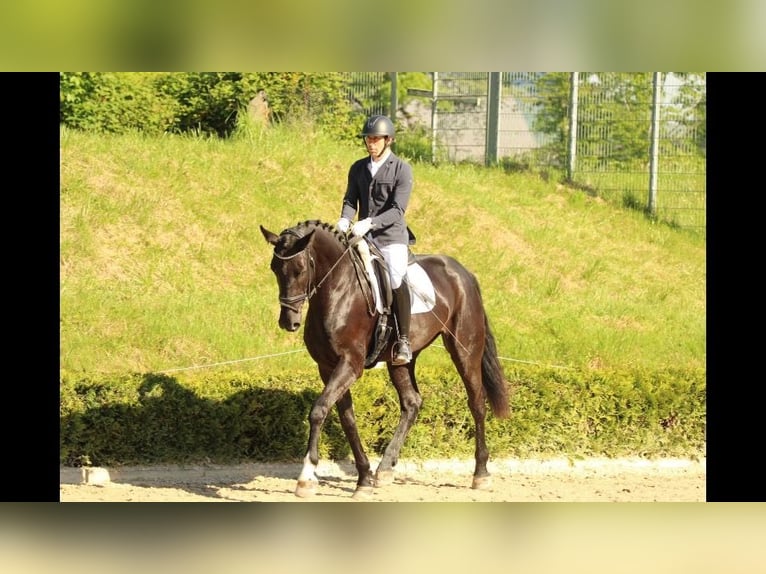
(492, 376)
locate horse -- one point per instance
(313, 263)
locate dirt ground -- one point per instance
(594, 480)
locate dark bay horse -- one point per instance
(312, 263)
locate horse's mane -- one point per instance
(304, 227)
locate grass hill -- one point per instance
(163, 266)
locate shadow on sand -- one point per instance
(212, 444)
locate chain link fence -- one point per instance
(633, 138)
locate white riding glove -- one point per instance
(343, 224)
(361, 227)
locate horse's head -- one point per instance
(293, 267)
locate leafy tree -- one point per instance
(552, 114)
(369, 92)
(687, 112)
(614, 115)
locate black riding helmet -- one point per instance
(378, 126)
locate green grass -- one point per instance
(163, 266)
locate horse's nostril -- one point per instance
(292, 327)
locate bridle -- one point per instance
(293, 303)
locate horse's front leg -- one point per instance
(365, 482)
(307, 480)
(337, 382)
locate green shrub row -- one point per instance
(201, 102)
(238, 417)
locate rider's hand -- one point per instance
(343, 224)
(361, 227)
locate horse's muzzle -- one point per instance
(289, 320)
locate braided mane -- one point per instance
(304, 227)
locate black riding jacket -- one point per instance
(382, 198)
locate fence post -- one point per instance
(434, 121)
(394, 97)
(393, 103)
(572, 142)
(654, 153)
(494, 85)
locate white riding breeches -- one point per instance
(396, 257)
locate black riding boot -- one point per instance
(402, 351)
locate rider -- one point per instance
(379, 189)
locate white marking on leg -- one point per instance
(308, 470)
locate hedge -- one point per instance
(150, 418)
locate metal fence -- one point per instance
(634, 138)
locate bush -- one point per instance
(115, 103)
(201, 103)
(152, 418)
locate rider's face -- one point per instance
(375, 145)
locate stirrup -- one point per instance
(402, 354)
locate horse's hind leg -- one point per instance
(476, 402)
(469, 366)
(403, 378)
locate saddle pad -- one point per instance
(422, 291)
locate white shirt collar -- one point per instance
(374, 166)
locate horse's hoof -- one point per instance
(306, 488)
(362, 493)
(482, 483)
(384, 477)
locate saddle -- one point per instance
(381, 334)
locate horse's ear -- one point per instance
(303, 242)
(270, 237)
